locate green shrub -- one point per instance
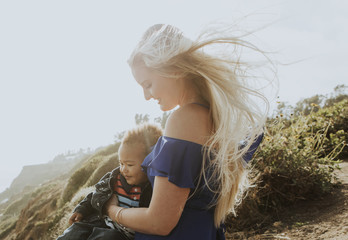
(107, 165)
(295, 161)
(80, 177)
(91, 171)
(335, 119)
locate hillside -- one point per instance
(32, 176)
(38, 211)
(324, 218)
(296, 172)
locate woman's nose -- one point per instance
(147, 95)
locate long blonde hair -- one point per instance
(221, 81)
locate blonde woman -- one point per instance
(197, 167)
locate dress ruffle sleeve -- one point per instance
(177, 159)
(249, 154)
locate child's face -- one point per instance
(131, 158)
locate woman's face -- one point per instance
(167, 91)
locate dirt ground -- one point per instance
(325, 218)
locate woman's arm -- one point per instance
(167, 204)
(191, 123)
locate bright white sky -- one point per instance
(65, 84)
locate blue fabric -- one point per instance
(177, 159)
(249, 154)
(181, 162)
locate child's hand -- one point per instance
(75, 217)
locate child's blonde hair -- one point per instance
(145, 134)
(220, 82)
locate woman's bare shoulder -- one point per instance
(191, 122)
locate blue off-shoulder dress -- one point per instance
(181, 161)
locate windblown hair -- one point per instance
(146, 135)
(220, 80)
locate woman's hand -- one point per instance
(75, 217)
(111, 204)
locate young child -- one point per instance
(128, 182)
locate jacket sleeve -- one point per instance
(102, 193)
(85, 207)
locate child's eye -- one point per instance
(148, 86)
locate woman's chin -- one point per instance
(166, 108)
